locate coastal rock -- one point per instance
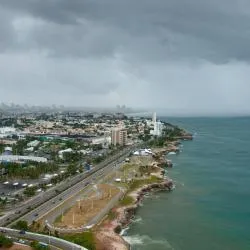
(186, 136)
(108, 238)
(164, 162)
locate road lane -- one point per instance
(73, 186)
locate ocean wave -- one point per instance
(124, 231)
(146, 240)
(172, 153)
(137, 220)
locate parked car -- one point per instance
(21, 241)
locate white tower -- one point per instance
(154, 118)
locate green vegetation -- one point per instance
(85, 239)
(98, 159)
(126, 201)
(30, 191)
(21, 225)
(72, 157)
(30, 170)
(139, 183)
(172, 133)
(111, 215)
(5, 242)
(37, 246)
(3, 202)
(58, 219)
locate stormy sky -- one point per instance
(183, 56)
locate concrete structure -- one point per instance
(157, 129)
(61, 152)
(7, 151)
(33, 143)
(143, 152)
(154, 118)
(158, 126)
(18, 158)
(101, 140)
(119, 136)
(53, 242)
(7, 131)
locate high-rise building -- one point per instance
(119, 136)
(158, 128)
(157, 131)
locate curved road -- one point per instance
(50, 240)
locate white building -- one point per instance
(6, 131)
(158, 126)
(101, 140)
(16, 158)
(34, 143)
(61, 152)
(154, 118)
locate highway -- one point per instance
(42, 204)
(50, 240)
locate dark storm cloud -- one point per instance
(117, 51)
(211, 30)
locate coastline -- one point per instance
(108, 233)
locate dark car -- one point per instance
(36, 214)
(22, 232)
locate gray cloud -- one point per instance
(134, 52)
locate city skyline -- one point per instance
(144, 54)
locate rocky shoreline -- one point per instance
(108, 234)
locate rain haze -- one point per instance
(184, 57)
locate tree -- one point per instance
(38, 246)
(5, 242)
(57, 234)
(21, 225)
(30, 191)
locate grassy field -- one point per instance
(85, 239)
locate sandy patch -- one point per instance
(83, 211)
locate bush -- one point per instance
(21, 225)
(5, 242)
(127, 200)
(38, 246)
(85, 239)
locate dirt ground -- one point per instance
(141, 160)
(17, 247)
(86, 209)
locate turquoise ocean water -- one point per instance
(210, 207)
